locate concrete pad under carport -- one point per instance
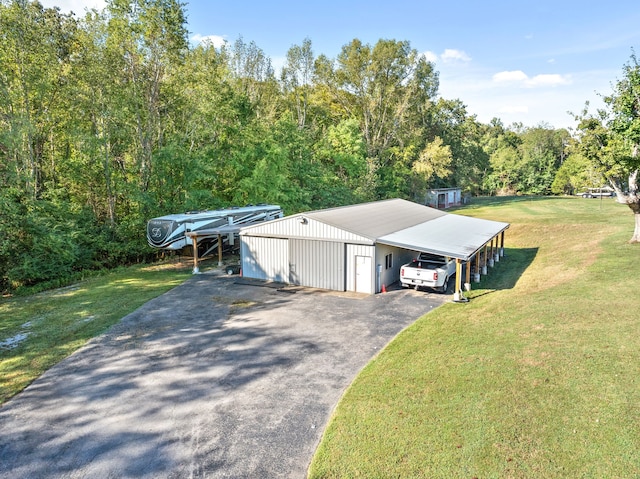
(212, 379)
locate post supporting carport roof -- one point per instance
(458, 296)
(486, 253)
(196, 269)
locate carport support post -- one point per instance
(467, 283)
(194, 240)
(484, 260)
(219, 250)
(491, 254)
(502, 244)
(457, 294)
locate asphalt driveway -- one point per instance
(216, 378)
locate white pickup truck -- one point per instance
(428, 271)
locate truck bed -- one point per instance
(428, 271)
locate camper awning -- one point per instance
(450, 235)
(211, 232)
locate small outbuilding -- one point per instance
(361, 248)
(443, 198)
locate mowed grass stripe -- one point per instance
(538, 376)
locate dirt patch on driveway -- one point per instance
(216, 378)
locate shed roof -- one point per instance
(455, 188)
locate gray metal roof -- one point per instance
(403, 224)
(377, 219)
(413, 226)
(451, 235)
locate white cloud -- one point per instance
(451, 55)
(76, 6)
(216, 40)
(510, 76)
(549, 80)
(521, 78)
(430, 57)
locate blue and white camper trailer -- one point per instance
(170, 232)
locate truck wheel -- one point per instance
(445, 286)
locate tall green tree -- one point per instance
(464, 135)
(505, 164)
(296, 78)
(434, 161)
(542, 149)
(625, 123)
(387, 87)
(575, 173)
(254, 78)
(150, 38)
(35, 49)
(94, 170)
(345, 170)
(610, 140)
(377, 85)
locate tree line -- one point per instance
(113, 118)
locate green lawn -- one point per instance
(38, 331)
(538, 376)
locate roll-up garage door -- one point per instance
(265, 258)
(317, 264)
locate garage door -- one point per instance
(317, 264)
(265, 258)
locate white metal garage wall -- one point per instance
(265, 258)
(399, 256)
(353, 252)
(317, 264)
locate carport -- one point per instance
(474, 242)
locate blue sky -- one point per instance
(527, 61)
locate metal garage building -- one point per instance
(360, 248)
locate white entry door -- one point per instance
(364, 275)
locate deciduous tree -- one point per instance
(624, 122)
(296, 78)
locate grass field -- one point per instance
(38, 331)
(538, 376)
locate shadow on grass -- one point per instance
(506, 273)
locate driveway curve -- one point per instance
(218, 377)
